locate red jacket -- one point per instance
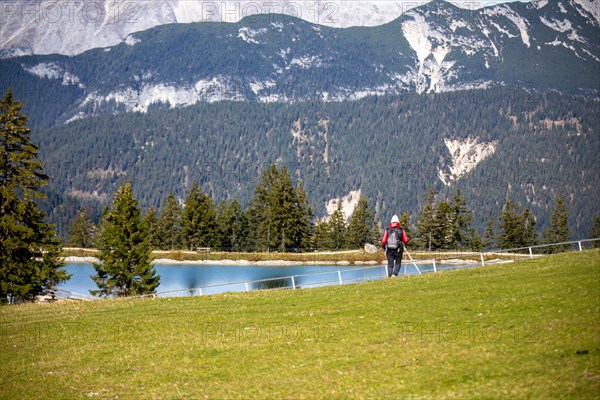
(385, 235)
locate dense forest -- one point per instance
(392, 148)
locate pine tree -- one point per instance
(558, 231)
(305, 222)
(489, 236)
(337, 229)
(405, 224)
(169, 225)
(516, 229)
(125, 264)
(29, 249)
(426, 222)
(529, 233)
(463, 234)
(233, 226)
(321, 236)
(360, 227)
(151, 222)
(511, 226)
(198, 220)
(82, 231)
(278, 216)
(444, 227)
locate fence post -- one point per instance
(340, 277)
(293, 283)
(247, 288)
(200, 291)
(579, 244)
(434, 267)
(530, 253)
(482, 260)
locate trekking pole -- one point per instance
(413, 261)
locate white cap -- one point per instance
(395, 219)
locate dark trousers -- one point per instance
(394, 259)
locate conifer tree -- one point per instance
(529, 233)
(444, 227)
(426, 222)
(405, 224)
(516, 229)
(559, 226)
(82, 231)
(233, 226)
(169, 225)
(305, 222)
(29, 248)
(151, 222)
(125, 264)
(489, 236)
(360, 227)
(198, 220)
(278, 215)
(337, 229)
(321, 236)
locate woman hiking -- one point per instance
(393, 243)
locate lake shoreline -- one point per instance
(229, 262)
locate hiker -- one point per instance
(393, 243)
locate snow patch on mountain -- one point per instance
(466, 154)
(349, 203)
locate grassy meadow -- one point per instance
(529, 329)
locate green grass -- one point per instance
(522, 330)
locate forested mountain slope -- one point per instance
(493, 144)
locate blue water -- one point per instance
(223, 278)
(185, 279)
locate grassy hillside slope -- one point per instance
(524, 330)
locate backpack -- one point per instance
(393, 241)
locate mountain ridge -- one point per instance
(275, 58)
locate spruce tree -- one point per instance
(360, 227)
(279, 217)
(125, 264)
(444, 227)
(321, 236)
(232, 226)
(489, 236)
(516, 229)
(337, 229)
(82, 231)
(559, 226)
(29, 248)
(305, 221)
(529, 234)
(461, 217)
(169, 225)
(405, 224)
(426, 222)
(198, 220)
(511, 226)
(151, 222)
